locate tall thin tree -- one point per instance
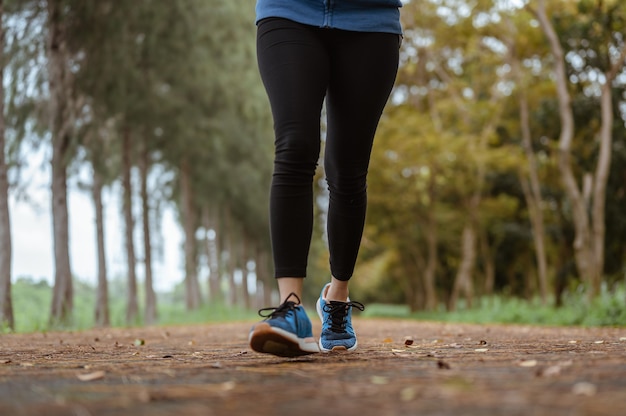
(531, 186)
(6, 305)
(192, 287)
(150, 316)
(59, 125)
(590, 229)
(102, 295)
(132, 304)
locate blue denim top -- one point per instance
(354, 15)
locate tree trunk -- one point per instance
(602, 170)
(6, 305)
(490, 264)
(59, 112)
(599, 186)
(102, 292)
(150, 317)
(211, 225)
(413, 264)
(583, 253)
(589, 241)
(233, 297)
(132, 307)
(245, 272)
(530, 183)
(532, 194)
(430, 292)
(463, 281)
(192, 292)
(263, 277)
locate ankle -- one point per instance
(337, 291)
(289, 285)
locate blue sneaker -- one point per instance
(337, 332)
(286, 331)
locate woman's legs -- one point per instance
(294, 67)
(363, 70)
(300, 66)
(362, 73)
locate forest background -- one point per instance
(497, 182)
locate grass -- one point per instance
(31, 305)
(32, 301)
(608, 309)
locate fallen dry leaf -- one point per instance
(228, 385)
(379, 380)
(407, 394)
(553, 370)
(584, 389)
(96, 375)
(528, 363)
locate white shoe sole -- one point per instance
(265, 338)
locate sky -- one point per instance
(31, 232)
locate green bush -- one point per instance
(31, 304)
(608, 309)
(32, 299)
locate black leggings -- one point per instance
(300, 66)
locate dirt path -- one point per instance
(209, 370)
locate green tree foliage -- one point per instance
(191, 92)
(593, 34)
(450, 214)
(179, 80)
(464, 67)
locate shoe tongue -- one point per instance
(339, 306)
